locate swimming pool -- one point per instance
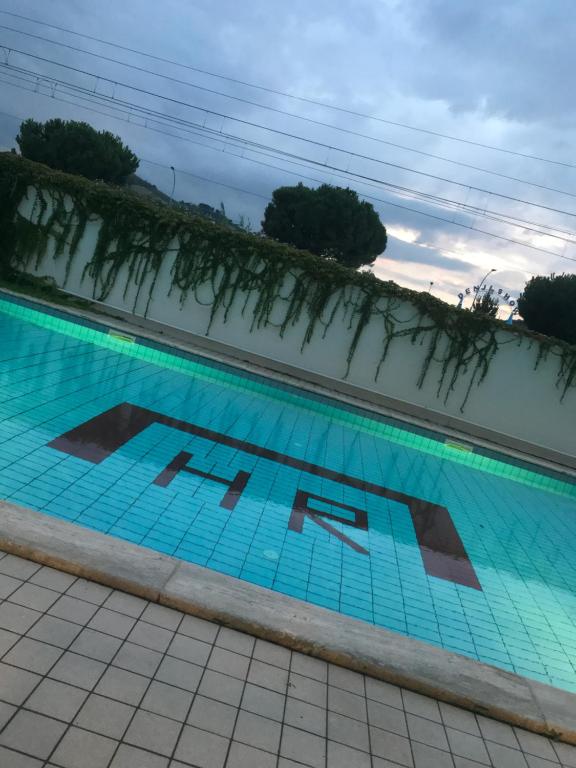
(334, 505)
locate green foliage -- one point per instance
(281, 285)
(548, 306)
(77, 148)
(328, 221)
(487, 305)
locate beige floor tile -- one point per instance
(235, 641)
(137, 659)
(107, 717)
(420, 705)
(179, 673)
(213, 716)
(77, 670)
(199, 629)
(307, 689)
(467, 745)
(33, 655)
(221, 687)
(303, 747)
(347, 704)
(16, 684)
(202, 749)
(89, 591)
(460, 719)
(232, 664)
(57, 700)
(263, 701)
(166, 700)
(50, 629)
(257, 731)
(501, 733)
(129, 604)
(388, 718)
(33, 734)
(427, 732)
(35, 597)
(566, 754)
(151, 636)
(82, 749)
(243, 756)
(341, 756)
(161, 616)
(429, 757)
(18, 567)
(6, 712)
(533, 744)
(391, 746)
(8, 585)
(72, 609)
(13, 759)
(188, 649)
(268, 676)
(121, 685)
(53, 579)
(305, 716)
(153, 732)
(346, 730)
(505, 757)
(346, 679)
(309, 667)
(273, 654)
(132, 757)
(96, 645)
(17, 618)
(112, 623)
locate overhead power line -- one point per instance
(286, 113)
(285, 94)
(384, 202)
(256, 147)
(243, 144)
(285, 134)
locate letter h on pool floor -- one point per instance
(443, 553)
(180, 464)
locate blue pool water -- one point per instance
(290, 491)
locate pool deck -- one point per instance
(95, 677)
(294, 627)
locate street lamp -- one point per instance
(173, 183)
(479, 286)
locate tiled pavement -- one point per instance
(95, 678)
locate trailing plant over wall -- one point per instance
(284, 285)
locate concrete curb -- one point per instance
(295, 624)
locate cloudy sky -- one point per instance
(496, 73)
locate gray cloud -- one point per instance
(406, 252)
(493, 72)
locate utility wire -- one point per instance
(293, 115)
(287, 95)
(285, 134)
(384, 202)
(397, 190)
(228, 139)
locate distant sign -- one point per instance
(498, 293)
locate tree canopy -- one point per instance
(487, 305)
(76, 147)
(328, 221)
(548, 305)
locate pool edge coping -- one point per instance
(289, 622)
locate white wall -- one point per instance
(514, 400)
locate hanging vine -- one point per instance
(43, 211)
